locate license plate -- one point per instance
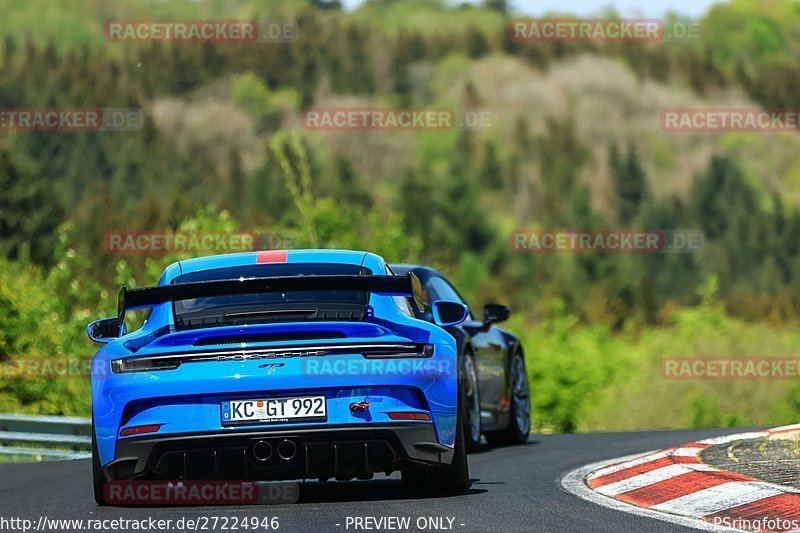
(274, 410)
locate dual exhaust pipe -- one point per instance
(285, 449)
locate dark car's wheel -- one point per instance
(519, 423)
(448, 480)
(97, 473)
(471, 404)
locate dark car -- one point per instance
(497, 392)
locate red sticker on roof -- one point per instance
(271, 256)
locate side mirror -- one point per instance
(447, 313)
(493, 313)
(104, 330)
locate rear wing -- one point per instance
(130, 299)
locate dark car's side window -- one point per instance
(437, 288)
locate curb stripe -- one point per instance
(574, 482)
(678, 487)
(715, 499)
(648, 478)
(690, 450)
(674, 485)
(616, 467)
(640, 469)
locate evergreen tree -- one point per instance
(359, 61)
(491, 173)
(477, 45)
(327, 5)
(496, 5)
(9, 48)
(415, 200)
(236, 178)
(349, 189)
(630, 183)
(399, 70)
(561, 157)
(648, 299)
(29, 213)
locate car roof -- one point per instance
(346, 257)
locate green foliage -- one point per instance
(630, 183)
(29, 212)
(565, 369)
(250, 92)
(291, 154)
(589, 379)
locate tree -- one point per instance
(648, 299)
(9, 48)
(29, 211)
(358, 60)
(327, 5)
(236, 178)
(415, 200)
(476, 43)
(496, 5)
(491, 174)
(561, 157)
(630, 183)
(399, 68)
(349, 189)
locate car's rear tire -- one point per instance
(471, 405)
(519, 419)
(447, 480)
(99, 479)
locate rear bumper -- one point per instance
(187, 400)
(319, 453)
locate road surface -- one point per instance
(514, 489)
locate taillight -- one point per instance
(134, 364)
(138, 430)
(409, 416)
(418, 350)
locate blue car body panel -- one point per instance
(188, 399)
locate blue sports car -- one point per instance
(277, 365)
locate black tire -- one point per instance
(471, 404)
(98, 477)
(514, 433)
(447, 480)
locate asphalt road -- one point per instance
(513, 489)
